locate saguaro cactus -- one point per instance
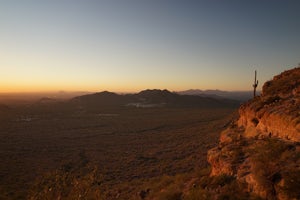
(255, 85)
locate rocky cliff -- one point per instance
(276, 113)
(261, 150)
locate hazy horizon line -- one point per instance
(118, 92)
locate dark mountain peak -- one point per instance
(147, 98)
(157, 96)
(99, 99)
(105, 93)
(155, 92)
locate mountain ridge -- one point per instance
(150, 97)
(260, 151)
(241, 96)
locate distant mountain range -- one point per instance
(241, 96)
(149, 98)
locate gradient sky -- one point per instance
(130, 45)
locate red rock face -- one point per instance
(276, 113)
(261, 150)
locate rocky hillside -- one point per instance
(261, 150)
(276, 112)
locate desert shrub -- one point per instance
(268, 157)
(256, 104)
(204, 181)
(73, 180)
(221, 180)
(292, 184)
(161, 182)
(222, 187)
(236, 152)
(235, 191)
(166, 187)
(271, 99)
(83, 184)
(284, 83)
(198, 194)
(171, 193)
(215, 181)
(269, 150)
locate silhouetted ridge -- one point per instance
(155, 92)
(95, 100)
(149, 98)
(241, 96)
(157, 96)
(105, 94)
(98, 96)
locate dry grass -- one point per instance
(218, 187)
(73, 181)
(273, 161)
(283, 84)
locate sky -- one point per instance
(131, 45)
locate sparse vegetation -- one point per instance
(218, 187)
(69, 182)
(124, 147)
(54, 151)
(280, 86)
(292, 184)
(272, 163)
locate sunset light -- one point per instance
(149, 99)
(126, 46)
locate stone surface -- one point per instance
(261, 150)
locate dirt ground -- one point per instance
(128, 145)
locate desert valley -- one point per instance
(149, 100)
(154, 145)
(129, 139)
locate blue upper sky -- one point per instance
(129, 45)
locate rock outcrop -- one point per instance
(261, 150)
(276, 113)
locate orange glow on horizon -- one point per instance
(44, 88)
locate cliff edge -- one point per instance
(276, 113)
(261, 150)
